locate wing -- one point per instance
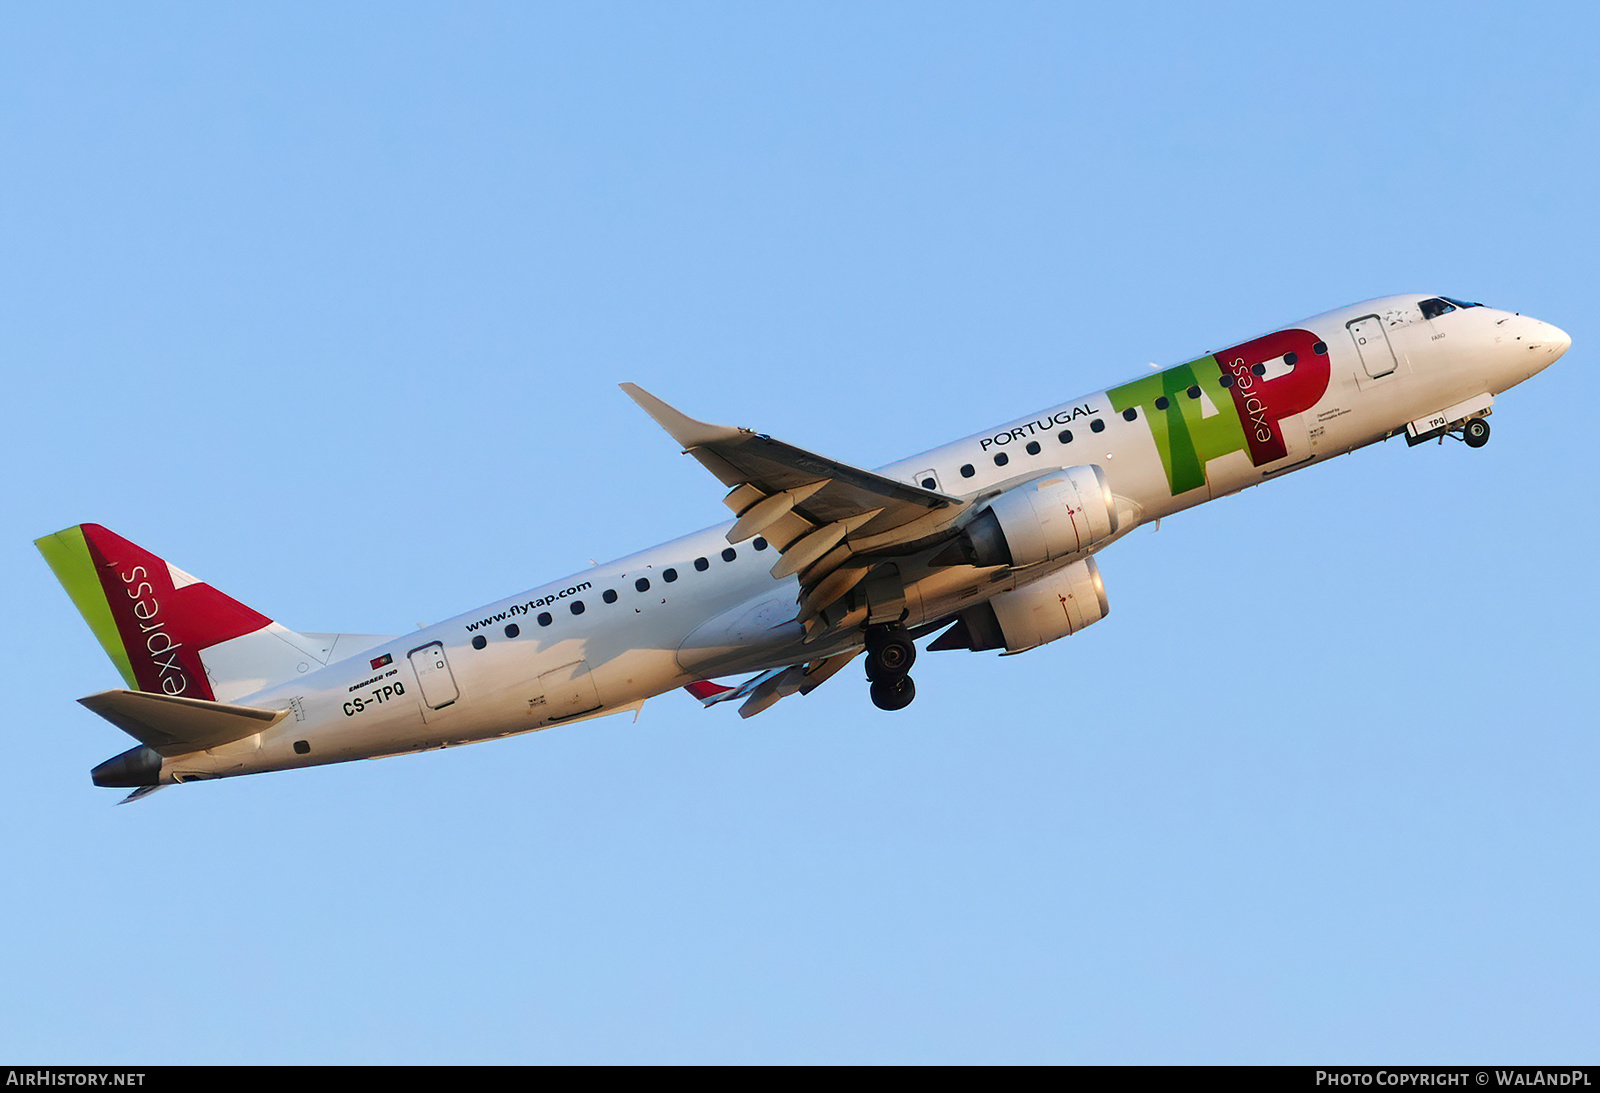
(831, 522)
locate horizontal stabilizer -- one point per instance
(176, 726)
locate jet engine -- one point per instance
(1052, 607)
(1051, 517)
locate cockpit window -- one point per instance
(1432, 309)
(1458, 303)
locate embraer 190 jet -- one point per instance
(990, 539)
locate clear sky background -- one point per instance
(327, 305)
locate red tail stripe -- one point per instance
(164, 628)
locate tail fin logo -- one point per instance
(161, 649)
(164, 616)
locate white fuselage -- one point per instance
(696, 606)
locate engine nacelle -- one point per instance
(1040, 521)
(1024, 618)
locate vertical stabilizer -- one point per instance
(153, 619)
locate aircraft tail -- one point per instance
(170, 633)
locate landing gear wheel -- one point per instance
(890, 652)
(1475, 432)
(893, 694)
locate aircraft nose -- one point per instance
(1557, 341)
(1544, 341)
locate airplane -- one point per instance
(991, 539)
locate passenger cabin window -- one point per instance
(1432, 309)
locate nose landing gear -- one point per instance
(890, 654)
(1465, 421)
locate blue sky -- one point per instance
(327, 305)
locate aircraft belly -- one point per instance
(947, 590)
(751, 632)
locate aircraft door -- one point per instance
(1372, 342)
(928, 479)
(433, 676)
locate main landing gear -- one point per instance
(890, 654)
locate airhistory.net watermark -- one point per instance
(44, 1076)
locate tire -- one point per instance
(1476, 432)
(893, 694)
(890, 653)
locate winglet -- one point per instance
(681, 427)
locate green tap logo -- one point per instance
(1251, 408)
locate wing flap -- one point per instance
(767, 511)
(175, 726)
